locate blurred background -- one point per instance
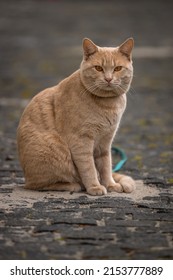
(40, 44)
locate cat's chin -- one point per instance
(105, 93)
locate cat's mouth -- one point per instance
(115, 89)
(111, 86)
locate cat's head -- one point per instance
(107, 72)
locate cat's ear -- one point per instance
(126, 48)
(89, 48)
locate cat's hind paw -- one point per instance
(115, 188)
(97, 190)
(128, 184)
(75, 187)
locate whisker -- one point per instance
(91, 88)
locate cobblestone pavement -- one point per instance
(41, 44)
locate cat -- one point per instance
(65, 133)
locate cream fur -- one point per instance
(65, 133)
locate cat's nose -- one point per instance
(108, 79)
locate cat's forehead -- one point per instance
(108, 56)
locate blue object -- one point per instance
(123, 160)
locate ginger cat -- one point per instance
(65, 133)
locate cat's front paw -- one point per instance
(97, 190)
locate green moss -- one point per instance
(170, 180)
(168, 139)
(138, 160)
(152, 145)
(142, 122)
(23, 254)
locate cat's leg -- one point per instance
(82, 154)
(113, 182)
(103, 162)
(126, 182)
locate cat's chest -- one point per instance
(102, 123)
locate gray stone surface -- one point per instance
(40, 45)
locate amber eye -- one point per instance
(118, 68)
(98, 68)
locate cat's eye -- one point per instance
(118, 68)
(99, 68)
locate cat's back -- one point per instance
(39, 113)
(44, 111)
